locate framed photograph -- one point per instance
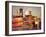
(24, 18)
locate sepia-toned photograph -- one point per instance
(24, 18)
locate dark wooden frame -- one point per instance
(7, 17)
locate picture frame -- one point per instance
(11, 9)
